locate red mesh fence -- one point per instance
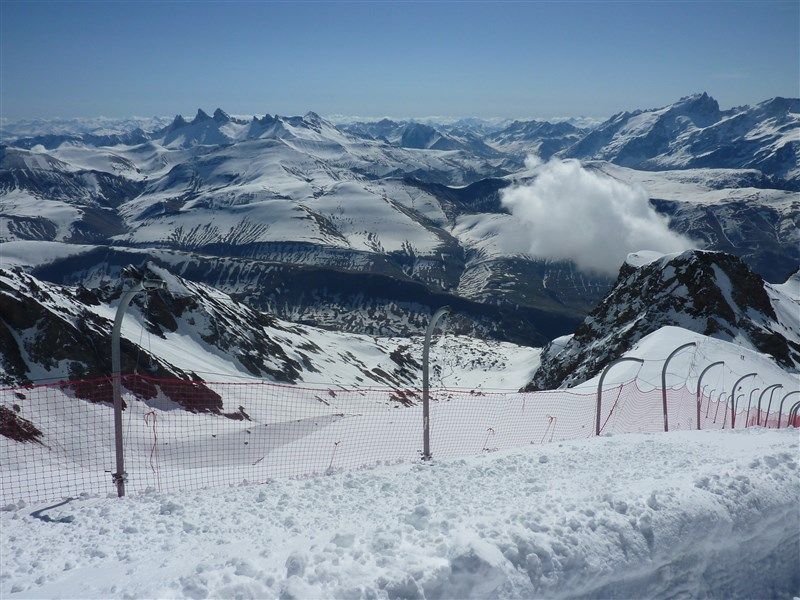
(57, 440)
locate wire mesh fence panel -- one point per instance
(58, 439)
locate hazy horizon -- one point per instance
(337, 118)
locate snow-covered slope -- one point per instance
(702, 514)
(537, 137)
(412, 134)
(709, 293)
(729, 210)
(314, 223)
(197, 332)
(45, 198)
(694, 132)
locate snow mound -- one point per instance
(643, 257)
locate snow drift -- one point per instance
(691, 514)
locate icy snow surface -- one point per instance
(684, 514)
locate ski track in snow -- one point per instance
(684, 514)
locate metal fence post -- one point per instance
(725, 417)
(769, 407)
(793, 413)
(780, 410)
(116, 376)
(664, 380)
(773, 387)
(733, 397)
(426, 410)
(708, 404)
(749, 404)
(600, 386)
(699, 382)
(719, 401)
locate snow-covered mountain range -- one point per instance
(694, 132)
(368, 227)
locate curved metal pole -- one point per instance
(426, 430)
(749, 404)
(733, 402)
(600, 386)
(769, 406)
(699, 381)
(761, 397)
(719, 401)
(793, 413)
(664, 379)
(116, 376)
(780, 410)
(725, 418)
(710, 396)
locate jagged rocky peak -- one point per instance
(700, 109)
(220, 116)
(201, 116)
(711, 293)
(178, 121)
(779, 106)
(699, 104)
(268, 119)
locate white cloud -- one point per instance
(532, 161)
(571, 213)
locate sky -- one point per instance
(402, 59)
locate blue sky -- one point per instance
(402, 59)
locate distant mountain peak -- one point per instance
(701, 102)
(268, 119)
(201, 116)
(695, 96)
(178, 121)
(221, 116)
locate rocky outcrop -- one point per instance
(711, 293)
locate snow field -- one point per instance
(698, 514)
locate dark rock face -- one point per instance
(55, 332)
(51, 329)
(711, 293)
(386, 302)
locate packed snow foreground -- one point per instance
(695, 513)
